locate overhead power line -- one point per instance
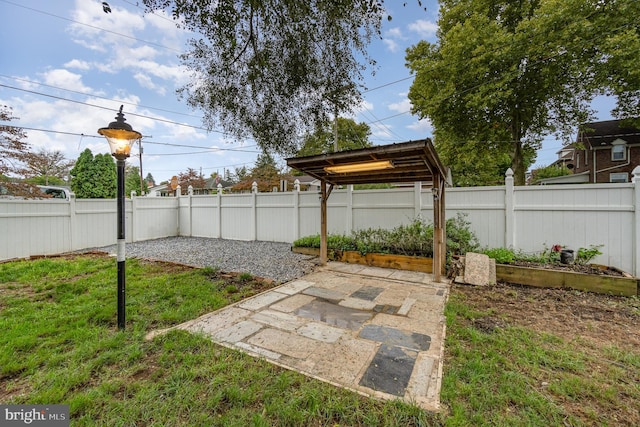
(83, 135)
(111, 109)
(93, 95)
(92, 26)
(146, 42)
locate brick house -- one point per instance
(605, 152)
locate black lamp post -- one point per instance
(121, 137)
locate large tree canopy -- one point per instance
(273, 69)
(504, 73)
(350, 136)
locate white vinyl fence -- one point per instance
(529, 218)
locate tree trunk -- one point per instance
(517, 164)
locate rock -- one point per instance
(479, 269)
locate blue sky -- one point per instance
(67, 67)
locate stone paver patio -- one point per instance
(376, 331)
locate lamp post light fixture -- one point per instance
(121, 137)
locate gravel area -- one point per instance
(265, 259)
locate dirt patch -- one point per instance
(594, 324)
(14, 389)
(603, 319)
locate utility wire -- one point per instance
(111, 109)
(150, 12)
(92, 26)
(83, 135)
(99, 97)
(150, 43)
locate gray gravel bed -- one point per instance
(265, 259)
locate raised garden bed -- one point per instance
(605, 281)
(399, 262)
(619, 284)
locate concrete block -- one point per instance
(477, 269)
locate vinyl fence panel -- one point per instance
(577, 216)
(34, 227)
(527, 219)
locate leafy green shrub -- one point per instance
(415, 238)
(371, 240)
(547, 256)
(334, 241)
(307, 242)
(585, 255)
(340, 242)
(501, 255)
(460, 238)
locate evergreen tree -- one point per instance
(106, 176)
(132, 181)
(82, 175)
(149, 179)
(240, 174)
(94, 177)
(265, 167)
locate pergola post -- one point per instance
(323, 222)
(443, 228)
(439, 224)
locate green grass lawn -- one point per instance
(59, 344)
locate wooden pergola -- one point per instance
(413, 161)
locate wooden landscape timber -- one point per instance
(398, 262)
(546, 278)
(529, 276)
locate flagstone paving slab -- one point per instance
(376, 331)
(390, 370)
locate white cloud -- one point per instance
(131, 42)
(394, 32)
(66, 80)
(72, 127)
(166, 24)
(391, 39)
(218, 151)
(97, 30)
(145, 81)
(78, 65)
(356, 110)
(400, 107)
(424, 28)
(174, 73)
(422, 125)
(391, 45)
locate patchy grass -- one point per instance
(518, 356)
(514, 356)
(60, 344)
